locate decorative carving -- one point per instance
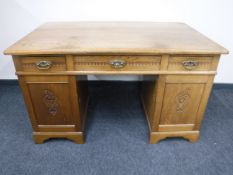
(181, 100)
(97, 63)
(181, 63)
(32, 65)
(51, 102)
(143, 63)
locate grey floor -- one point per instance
(116, 139)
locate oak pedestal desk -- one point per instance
(178, 65)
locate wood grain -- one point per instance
(115, 38)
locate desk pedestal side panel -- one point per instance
(178, 106)
(55, 108)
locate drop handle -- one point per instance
(118, 64)
(43, 64)
(190, 65)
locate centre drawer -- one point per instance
(117, 63)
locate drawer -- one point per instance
(41, 64)
(117, 63)
(189, 63)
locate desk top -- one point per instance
(142, 38)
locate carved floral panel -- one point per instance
(51, 102)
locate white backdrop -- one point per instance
(213, 18)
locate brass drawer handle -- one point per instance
(190, 65)
(43, 64)
(118, 64)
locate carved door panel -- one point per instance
(182, 99)
(51, 103)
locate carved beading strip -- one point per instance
(32, 65)
(199, 63)
(107, 64)
(143, 63)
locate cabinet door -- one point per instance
(52, 102)
(181, 103)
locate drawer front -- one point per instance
(42, 64)
(117, 63)
(185, 63)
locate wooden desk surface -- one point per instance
(142, 38)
